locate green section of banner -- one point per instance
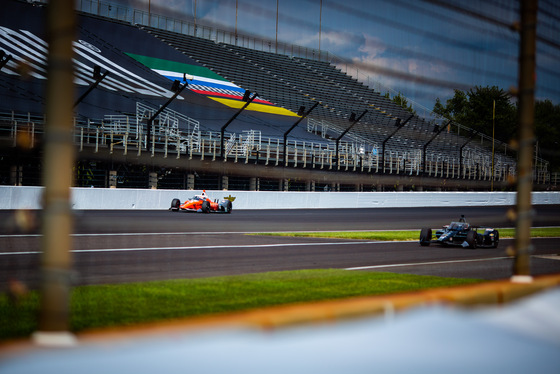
(179, 67)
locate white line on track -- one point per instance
(208, 247)
(427, 263)
(122, 234)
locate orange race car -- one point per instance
(202, 204)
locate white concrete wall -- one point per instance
(107, 198)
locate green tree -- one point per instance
(455, 108)
(547, 132)
(474, 109)
(400, 100)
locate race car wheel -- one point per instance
(175, 204)
(471, 239)
(229, 207)
(496, 239)
(425, 237)
(205, 207)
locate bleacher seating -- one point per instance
(286, 81)
(290, 82)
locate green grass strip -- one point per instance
(352, 235)
(404, 235)
(126, 304)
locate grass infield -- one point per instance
(128, 304)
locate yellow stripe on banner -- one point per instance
(255, 107)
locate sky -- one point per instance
(421, 49)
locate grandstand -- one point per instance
(127, 136)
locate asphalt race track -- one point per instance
(130, 246)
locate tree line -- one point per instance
(494, 112)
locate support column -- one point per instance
(310, 186)
(16, 175)
(253, 182)
(190, 181)
(152, 181)
(112, 179)
(225, 182)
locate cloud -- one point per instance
(333, 42)
(387, 68)
(333, 39)
(377, 54)
(180, 8)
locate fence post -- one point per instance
(267, 152)
(15, 134)
(125, 140)
(190, 148)
(56, 258)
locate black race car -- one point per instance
(461, 234)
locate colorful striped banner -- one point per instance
(209, 84)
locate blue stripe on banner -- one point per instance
(206, 86)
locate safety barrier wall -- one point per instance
(106, 198)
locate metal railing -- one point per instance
(555, 178)
(129, 134)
